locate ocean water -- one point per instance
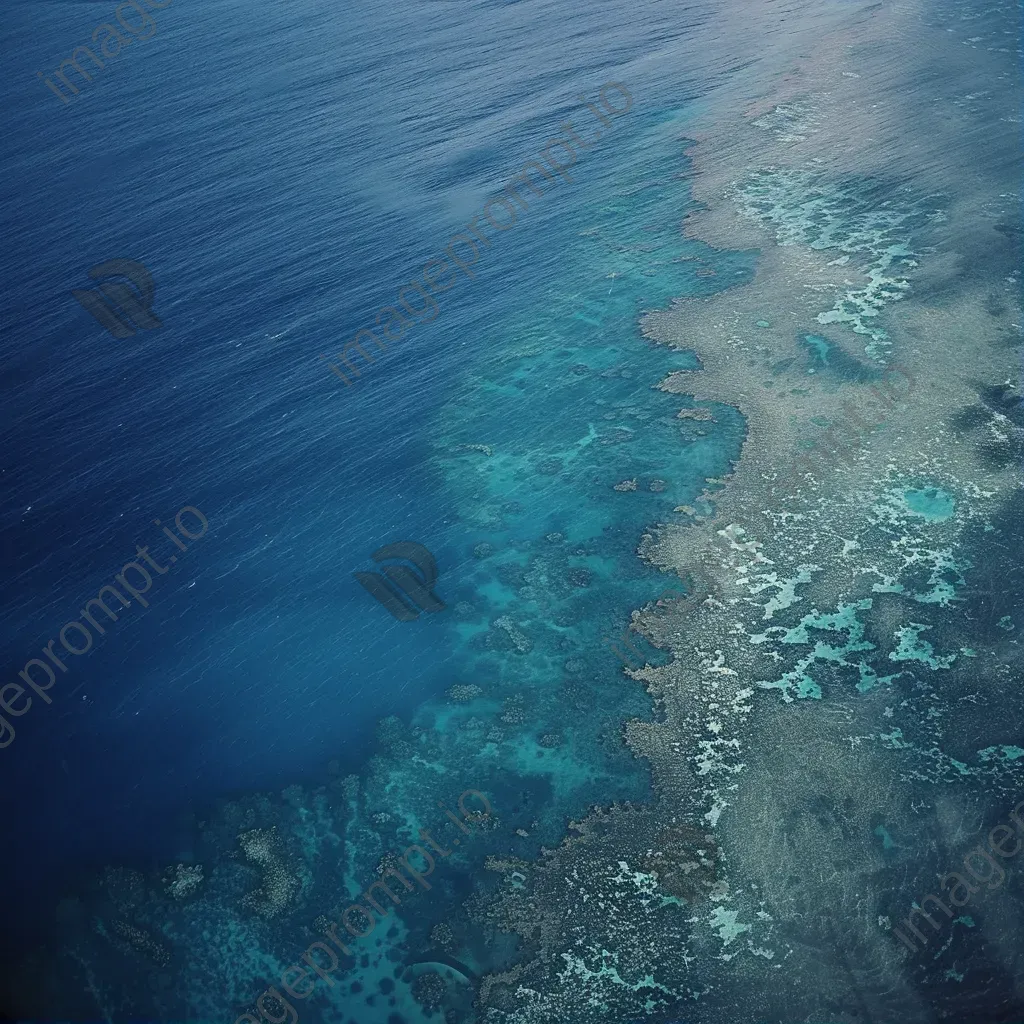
(226, 770)
(282, 172)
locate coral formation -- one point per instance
(513, 711)
(463, 693)
(506, 635)
(125, 889)
(139, 941)
(684, 862)
(443, 936)
(183, 880)
(429, 991)
(278, 887)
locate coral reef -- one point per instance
(463, 693)
(278, 887)
(137, 939)
(836, 678)
(856, 218)
(619, 942)
(506, 635)
(429, 991)
(684, 862)
(183, 880)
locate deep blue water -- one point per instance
(282, 170)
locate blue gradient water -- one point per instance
(282, 171)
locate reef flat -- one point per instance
(838, 720)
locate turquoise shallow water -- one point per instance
(558, 451)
